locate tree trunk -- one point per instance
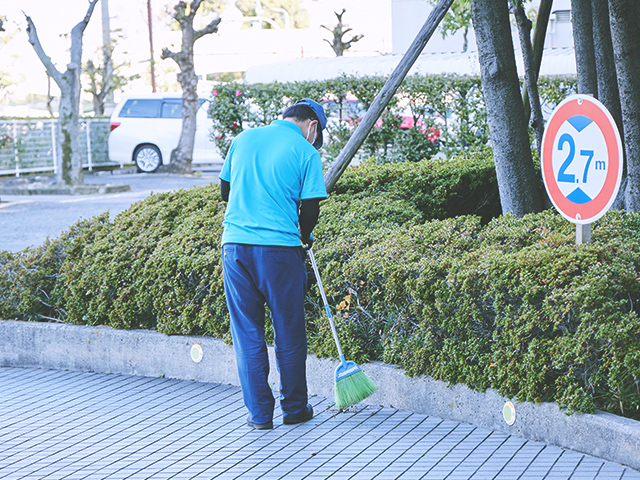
(608, 92)
(98, 105)
(539, 34)
(68, 146)
(182, 155)
(49, 97)
(517, 182)
(69, 171)
(582, 22)
(98, 93)
(625, 33)
(531, 72)
(465, 40)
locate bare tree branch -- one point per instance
(355, 38)
(44, 58)
(166, 53)
(76, 34)
(82, 24)
(195, 5)
(211, 28)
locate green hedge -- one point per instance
(514, 305)
(415, 280)
(440, 188)
(448, 112)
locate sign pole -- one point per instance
(583, 233)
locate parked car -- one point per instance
(146, 128)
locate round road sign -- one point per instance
(581, 159)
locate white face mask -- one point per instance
(308, 133)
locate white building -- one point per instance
(236, 48)
(441, 55)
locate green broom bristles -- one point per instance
(353, 389)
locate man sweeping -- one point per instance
(273, 183)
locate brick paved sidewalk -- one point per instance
(72, 425)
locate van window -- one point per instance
(172, 109)
(141, 108)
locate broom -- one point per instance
(352, 384)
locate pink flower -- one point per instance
(238, 93)
(433, 134)
(215, 93)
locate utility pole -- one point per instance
(107, 50)
(152, 61)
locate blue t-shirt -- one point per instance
(270, 169)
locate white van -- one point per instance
(146, 128)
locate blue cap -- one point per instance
(322, 118)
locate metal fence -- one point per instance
(28, 146)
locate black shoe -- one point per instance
(259, 426)
(306, 416)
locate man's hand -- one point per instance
(308, 242)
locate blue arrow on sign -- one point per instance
(579, 122)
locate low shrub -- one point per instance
(157, 265)
(506, 303)
(514, 305)
(438, 188)
(27, 282)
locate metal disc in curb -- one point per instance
(581, 159)
(197, 353)
(509, 413)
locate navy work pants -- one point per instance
(275, 276)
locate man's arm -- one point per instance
(225, 188)
(309, 212)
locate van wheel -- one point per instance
(147, 158)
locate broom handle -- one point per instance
(326, 304)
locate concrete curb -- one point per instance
(145, 353)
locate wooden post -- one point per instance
(388, 90)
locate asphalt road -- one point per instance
(27, 220)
